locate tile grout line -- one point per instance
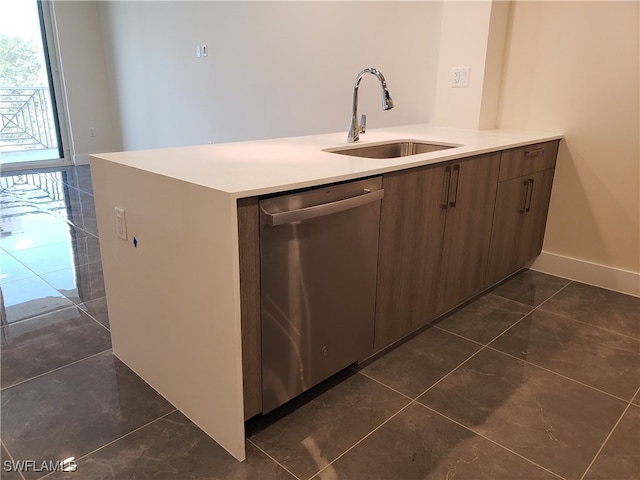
(489, 439)
(442, 329)
(92, 317)
(118, 439)
(438, 381)
(573, 380)
(412, 402)
(54, 370)
(11, 457)
(34, 317)
(553, 295)
(490, 341)
(575, 319)
(548, 369)
(451, 372)
(604, 443)
(480, 344)
(415, 400)
(273, 459)
(98, 322)
(486, 346)
(65, 307)
(533, 307)
(11, 254)
(582, 322)
(52, 213)
(379, 382)
(483, 347)
(73, 304)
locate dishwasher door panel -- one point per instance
(318, 283)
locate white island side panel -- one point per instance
(174, 300)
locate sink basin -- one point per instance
(397, 148)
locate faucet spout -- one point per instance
(355, 128)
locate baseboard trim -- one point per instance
(611, 278)
(81, 159)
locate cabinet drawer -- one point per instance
(528, 159)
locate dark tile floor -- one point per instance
(537, 379)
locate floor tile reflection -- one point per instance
(484, 318)
(97, 308)
(173, 447)
(47, 258)
(529, 287)
(420, 444)
(597, 306)
(36, 230)
(415, 365)
(11, 269)
(550, 420)
(80, 284)
(76, 409)
(339, 413)
(42, 344)
(30, 297)
(609, 361)
(80, 179)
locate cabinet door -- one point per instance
(411, 234)
(472, 195)
(535, 218)
(519, 222)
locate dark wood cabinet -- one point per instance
(521, 208)
(471, 199)
(411, 234)
(249, 249)
(447, 232)
(435, 232)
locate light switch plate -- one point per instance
(121, 223)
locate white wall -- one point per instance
(463, 43)
(274, 69)
(80, 44)
(572, 67)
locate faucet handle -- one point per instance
(363, 123)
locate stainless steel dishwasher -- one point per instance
(318, 259)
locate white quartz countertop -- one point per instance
(244, 169)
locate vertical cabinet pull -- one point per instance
(447, 185)
(528, 196)
(530, 188)
(525, 197)
(456, 173)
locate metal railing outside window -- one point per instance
(27, 119)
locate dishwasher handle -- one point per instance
(323, 209)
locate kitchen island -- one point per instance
(171, 258)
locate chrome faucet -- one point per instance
(356, 129)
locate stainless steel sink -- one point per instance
(398, 148)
